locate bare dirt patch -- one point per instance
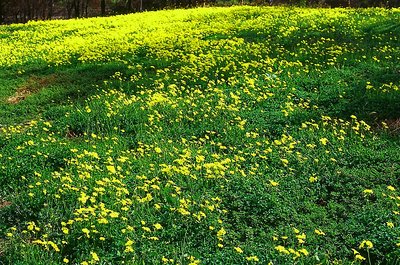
(391, 125)
(33, 85)
(4, 204)
(394, 125)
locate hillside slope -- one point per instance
(204, 136)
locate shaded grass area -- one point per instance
(45, 89)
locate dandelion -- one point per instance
(273, 183)
(157, 226)
(94, 256)
(111, 169)
(252, 258)
(221, 232)
(304, 251)
(312, 179)
(390, 224)
(366, 243)
(158, 150)
(86, 232)
(358, 257)
(282, 249)
(238, 249)
(319, 232)
(114, 215)
(324, 141)
(368, 191)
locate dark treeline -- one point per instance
(12, 11)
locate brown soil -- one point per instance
(4, 204)
(394, 125)
(33, 85)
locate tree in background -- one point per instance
(24, 10)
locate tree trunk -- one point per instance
(49, 9)
(129, 5)
(1, 12)
(103, 7)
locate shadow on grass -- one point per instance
(42, 88)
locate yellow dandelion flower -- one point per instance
(390, 224)
(111, 169)
(253, 258)
(94, 256)
(324, 141)
(238, 249)
(221, 232)
(304, 251)
(158, 150)
(366, 243)
(312, 179)
(65, 230)
(319, 232)
(359, 257)
(273, 183)
(282, 249)
(114, 215)
(368, 191)
(86, 232)
(157, 226)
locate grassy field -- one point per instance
(238, 135)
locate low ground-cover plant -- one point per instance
(208, 136)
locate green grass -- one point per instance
(215, 136)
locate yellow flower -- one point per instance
(94, 256)
(158, 150)
(390, 224)
(238, 249)
(111, 169)
(273, 183)
(65, 230)
(359, 257)
(221, 232)
(114, 215)
(157, 226)
(391, 188)
(65, 260)
(86, 232)
(313, 179)
(282, 249)
(54, 246)
(319, 232)
(253, 258)
(145, 228)
(304, 251)
(285, 161)
(368, 191)
(324, 141)
(366, 243)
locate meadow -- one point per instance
(241, 135)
